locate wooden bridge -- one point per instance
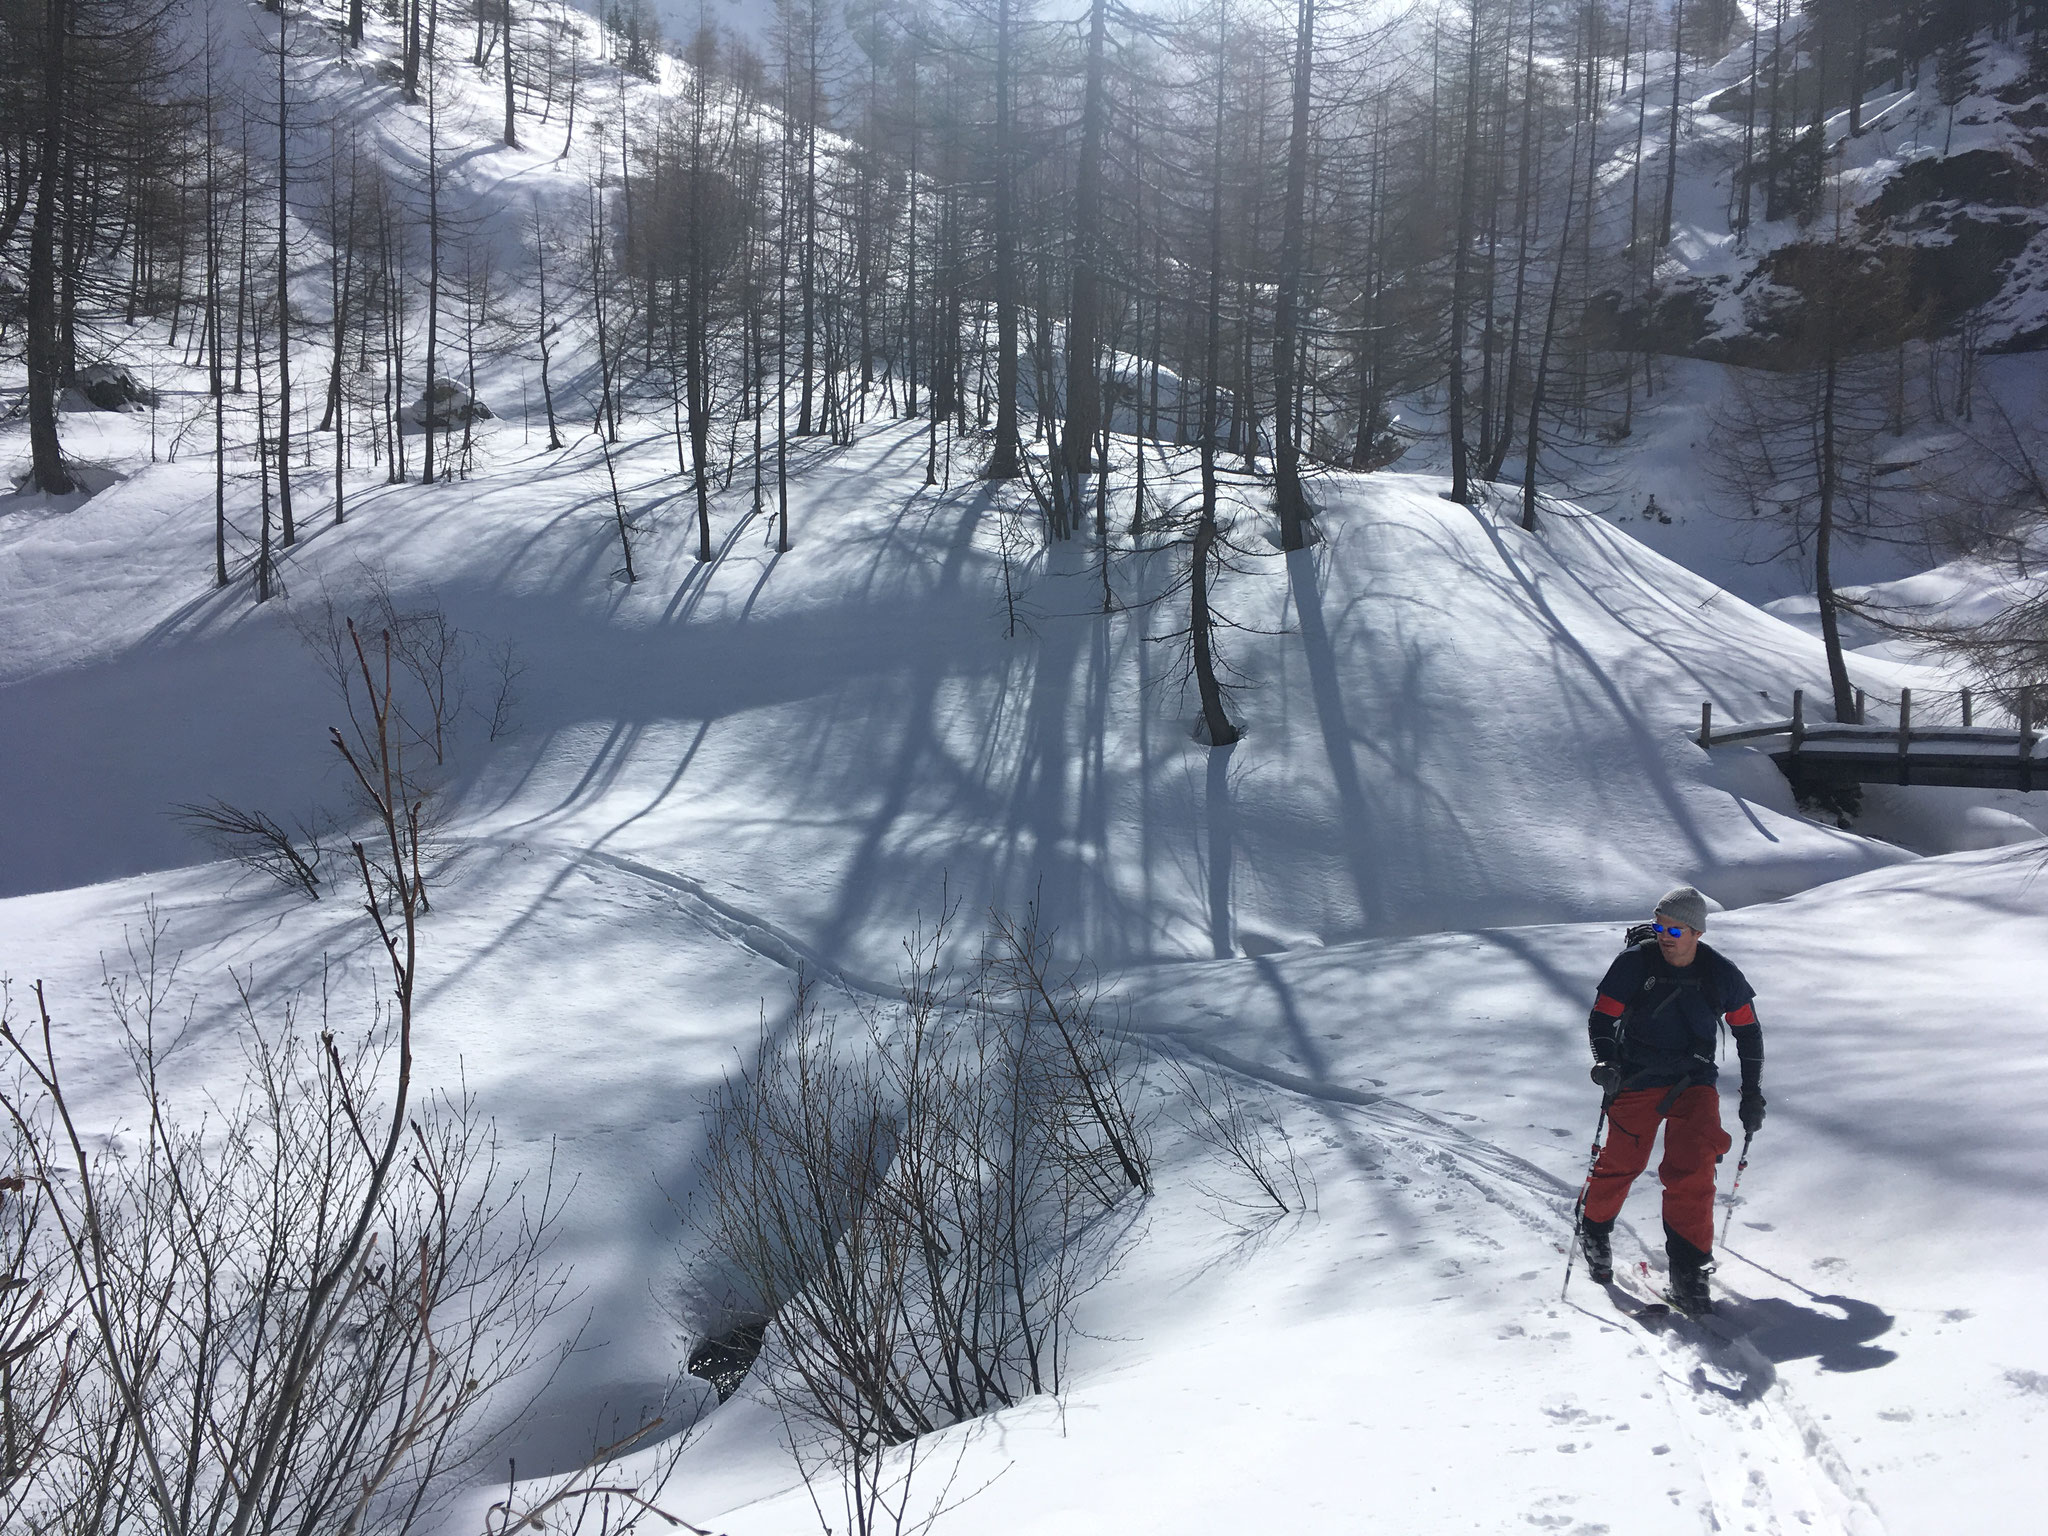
(1968, 755)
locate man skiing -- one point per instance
(1654, 1028)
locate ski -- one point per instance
(1715, 1332)
(1651, 1314)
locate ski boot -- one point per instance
(1687, 1290)
(1595, 1242)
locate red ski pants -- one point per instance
(1693, 1141)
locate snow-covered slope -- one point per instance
(1467, 761)
(1449, 723)
(1456, 732)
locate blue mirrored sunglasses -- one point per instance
(1676, 930)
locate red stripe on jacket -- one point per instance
(1614, 1010)
(1746, 1014)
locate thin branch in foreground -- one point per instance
(1258, 1146)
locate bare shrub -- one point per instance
(428, 656)
(501, 718)
(294, 1308)
(1256, 1145)
(231, 1370)
(1988, 498)
(918, 1207)
(416, 697)
(603, 1494)
(1085, 1066)
(254, 840)
(38, 1361)
(412, 704)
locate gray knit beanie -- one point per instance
(1684, 905)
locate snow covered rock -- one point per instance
(113, 387)
(447, 405)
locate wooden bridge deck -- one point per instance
(1965, 756)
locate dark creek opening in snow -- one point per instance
(725, 1360)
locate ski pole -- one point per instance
(1586, 1188)
(1735, 1184)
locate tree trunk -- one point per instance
(1288, 500)
(540, 262)
(808, 259)
(1747, 175)
(1858, 64)
(1461, 260)
(1533, 441)
(341, 267)
(511, 122)
(1084, 406)
(1671, 140)
(1216, 723)
(1004, 463)
(215, 378)
(1531, 137)
(411, 80)
(45, 368)
(263, 557)
(697, 317)
(434, 290)
(288, 533)
(1823, 539)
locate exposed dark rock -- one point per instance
(1990, 178)
(1948, 278)
(725, 1360)
(1674, 318)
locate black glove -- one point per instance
(1752, 1110)
(1607, 1077)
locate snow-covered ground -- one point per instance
(1467, 763)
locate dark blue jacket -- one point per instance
(1662, 1023)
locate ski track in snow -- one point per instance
(1758, 1454)
(749, 930)
(1762, 1455)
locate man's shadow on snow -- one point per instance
(1835, 1331)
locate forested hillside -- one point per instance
(1323, 239)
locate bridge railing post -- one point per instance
(1905, 735)
(1706, 724)
(1798, 718)
(1966, 709)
